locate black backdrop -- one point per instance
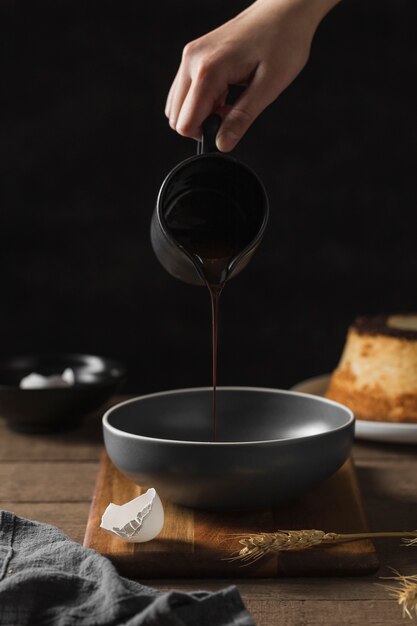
(85, 145)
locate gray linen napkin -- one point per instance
(45, 578)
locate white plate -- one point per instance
(375, 431)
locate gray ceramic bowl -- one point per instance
(271, 445)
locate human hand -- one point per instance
(264, 47)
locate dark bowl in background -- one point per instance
(56, 409)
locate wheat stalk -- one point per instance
(257, 545)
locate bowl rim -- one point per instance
(125, 434)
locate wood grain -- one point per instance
(57, 479)
(198, 543)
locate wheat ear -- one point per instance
(405, 592)
(257, 545)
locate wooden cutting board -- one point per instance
(194, 544)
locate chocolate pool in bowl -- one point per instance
(272, 445)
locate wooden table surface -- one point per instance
(50, 478)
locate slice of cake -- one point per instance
(377, 373)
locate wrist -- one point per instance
(311, 12)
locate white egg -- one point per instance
(138, 520)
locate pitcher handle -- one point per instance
(212, 124)
(211, 127)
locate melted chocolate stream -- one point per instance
(214, 296)
(213, 229)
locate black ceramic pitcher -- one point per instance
(210, 176)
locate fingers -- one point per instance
(196, 91)
(205, 91)
(168, 104)
(191, 100)
(243, 113)
(177, 95)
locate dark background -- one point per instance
(84, 147)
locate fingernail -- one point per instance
(226, 141)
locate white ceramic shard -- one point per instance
(37, 381)
(138, 520)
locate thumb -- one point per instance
(242, 114)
